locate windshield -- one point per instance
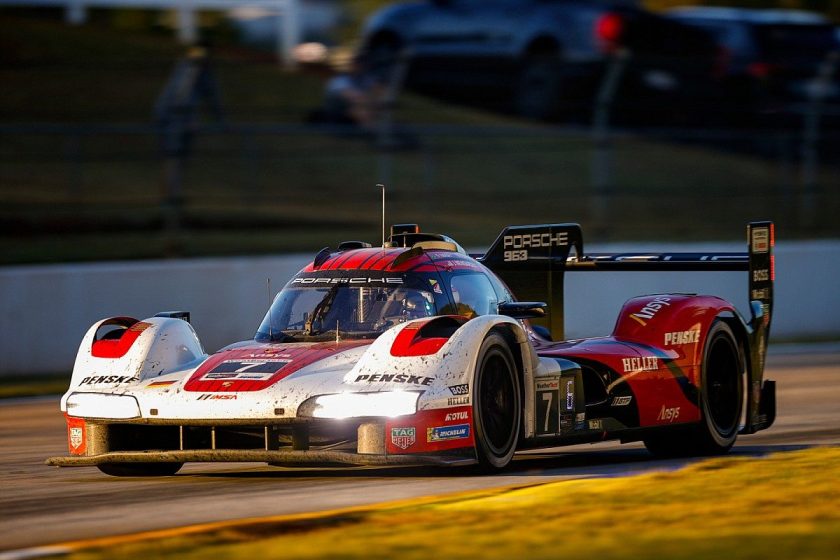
(320, 313)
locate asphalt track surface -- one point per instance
(42, 505)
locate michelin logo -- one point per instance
(444, 433)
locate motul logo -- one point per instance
(457, 416)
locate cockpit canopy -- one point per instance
(322, 305)
(311, 311)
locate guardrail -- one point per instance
(45, 310)
(288, 31)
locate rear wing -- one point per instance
(533, 259)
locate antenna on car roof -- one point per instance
(381, 186)
(270, 320)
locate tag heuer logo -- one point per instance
(75, 437)
(403, 437)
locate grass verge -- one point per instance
(32, 386)
(781, 506)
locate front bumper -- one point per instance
(435, 437)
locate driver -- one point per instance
(416, 306)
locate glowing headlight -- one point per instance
(350, 405)
(98, 405)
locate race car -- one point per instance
(416, 352)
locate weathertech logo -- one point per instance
(403, 437)
(650, 310)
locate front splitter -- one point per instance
(309, 457)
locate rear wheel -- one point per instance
(140, 469)
(721, 402)
(497, 405)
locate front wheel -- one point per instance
(497, 404)
(721, 402)
(140, 469)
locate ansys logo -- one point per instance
(650, 310)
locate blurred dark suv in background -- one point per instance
(773, 59)
(546, 59)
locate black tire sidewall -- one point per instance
(495, 345)
(716, 441)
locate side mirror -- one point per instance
(523, 309)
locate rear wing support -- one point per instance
(533, 259)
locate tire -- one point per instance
(540, 87)
(497, 404)
(140, 469)
(721, 402)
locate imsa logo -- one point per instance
(403, 437)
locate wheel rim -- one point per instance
(722, 387)
(497, 408)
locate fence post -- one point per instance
(601, 168)
(288, 32)
(810, 139)
(187, 29)
(385, 140)
(75, 13)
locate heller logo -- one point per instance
(403, 437)
(647, 363)
(650, 310)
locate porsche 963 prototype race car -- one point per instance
(418, 353)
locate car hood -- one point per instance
(256, 366)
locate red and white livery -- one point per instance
(418, 353)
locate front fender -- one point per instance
(446, 375)
(145, 349)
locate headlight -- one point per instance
(352, 405)
(98, 405)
